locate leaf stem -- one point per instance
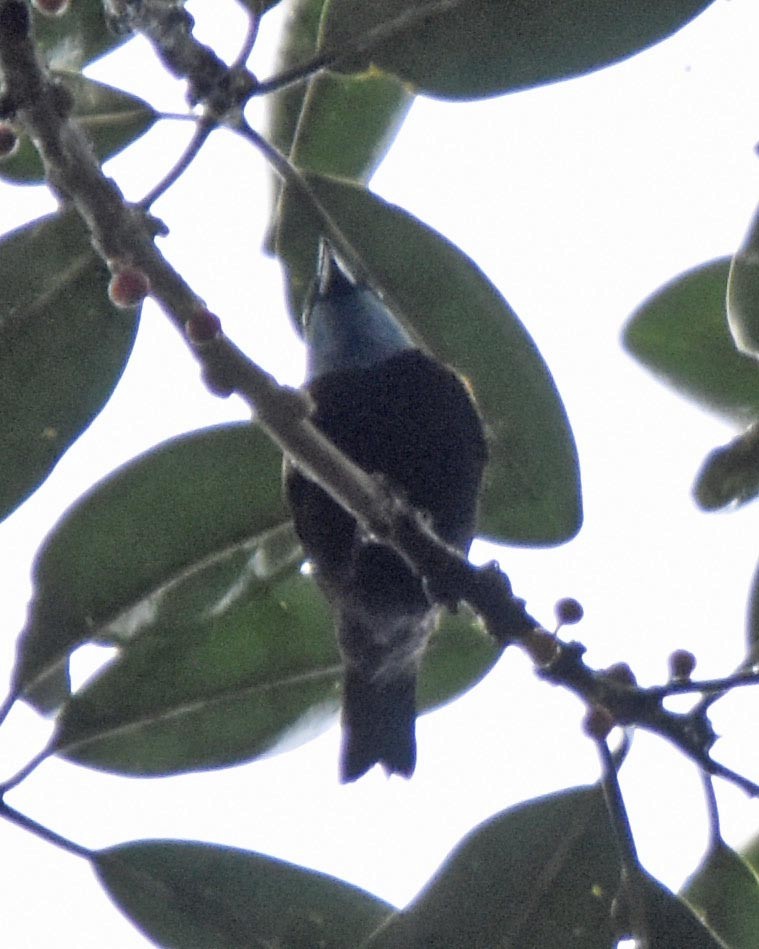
(631, 879)
(204, 129)
(44, 833)
(28, 768)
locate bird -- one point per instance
(403, 416)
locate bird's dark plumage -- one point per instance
(399, 413)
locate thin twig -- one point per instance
(204, 129)
(28, 768)
(705, 686)
(631, 878)
(715, 834)
(39, 830)
(295, 180)
(254, 21)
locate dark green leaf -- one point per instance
(681, 334)
(335, 125)
(259, 668)
(485, 47)
(532, 491)
(187, 895)
(750, 853)
(345, 128)
(346, 125)
(231, 663)
(724, 891)
(730, 473)
(459, 655)
(542, 874)
(141, 528)
(63, 348)
(743, 292)
(227, 650)
(669, 921)
(112, 118)
(297, 44)
(76, 38)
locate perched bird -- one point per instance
(397, 412)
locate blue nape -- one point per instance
(348, 326)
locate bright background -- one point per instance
(577, 200)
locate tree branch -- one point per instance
(124, 235)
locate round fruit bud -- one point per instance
(541, 646)
(202, 327)
(128, 288)
(598, 722)
(568, 611)
(622, 673)
(681, 664)
(51, 7)
(8, 140)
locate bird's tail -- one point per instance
(379, 718)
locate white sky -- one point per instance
(577, 200)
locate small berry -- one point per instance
(568, 611)
(622, 673)
(128, 288)
(202, 327)
(681, 664)
(51, 7)
(541, 646)
(8, 141)
(598, 722)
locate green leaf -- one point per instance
(532, 490)
(76, 38)
(681, 334)
(347, 125)
(188, 895)
(231, 663)
(730, 473)
(750, 852)
(297, 44)
(345, 128)
(724, 891)
(335, 125)
(141, 528)
(743, 292)
(459, 655)
(63, 348)
(542, 874)
(112, 118)
(485, 47)
(226, 649)
(259, 668)
(670, 921)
